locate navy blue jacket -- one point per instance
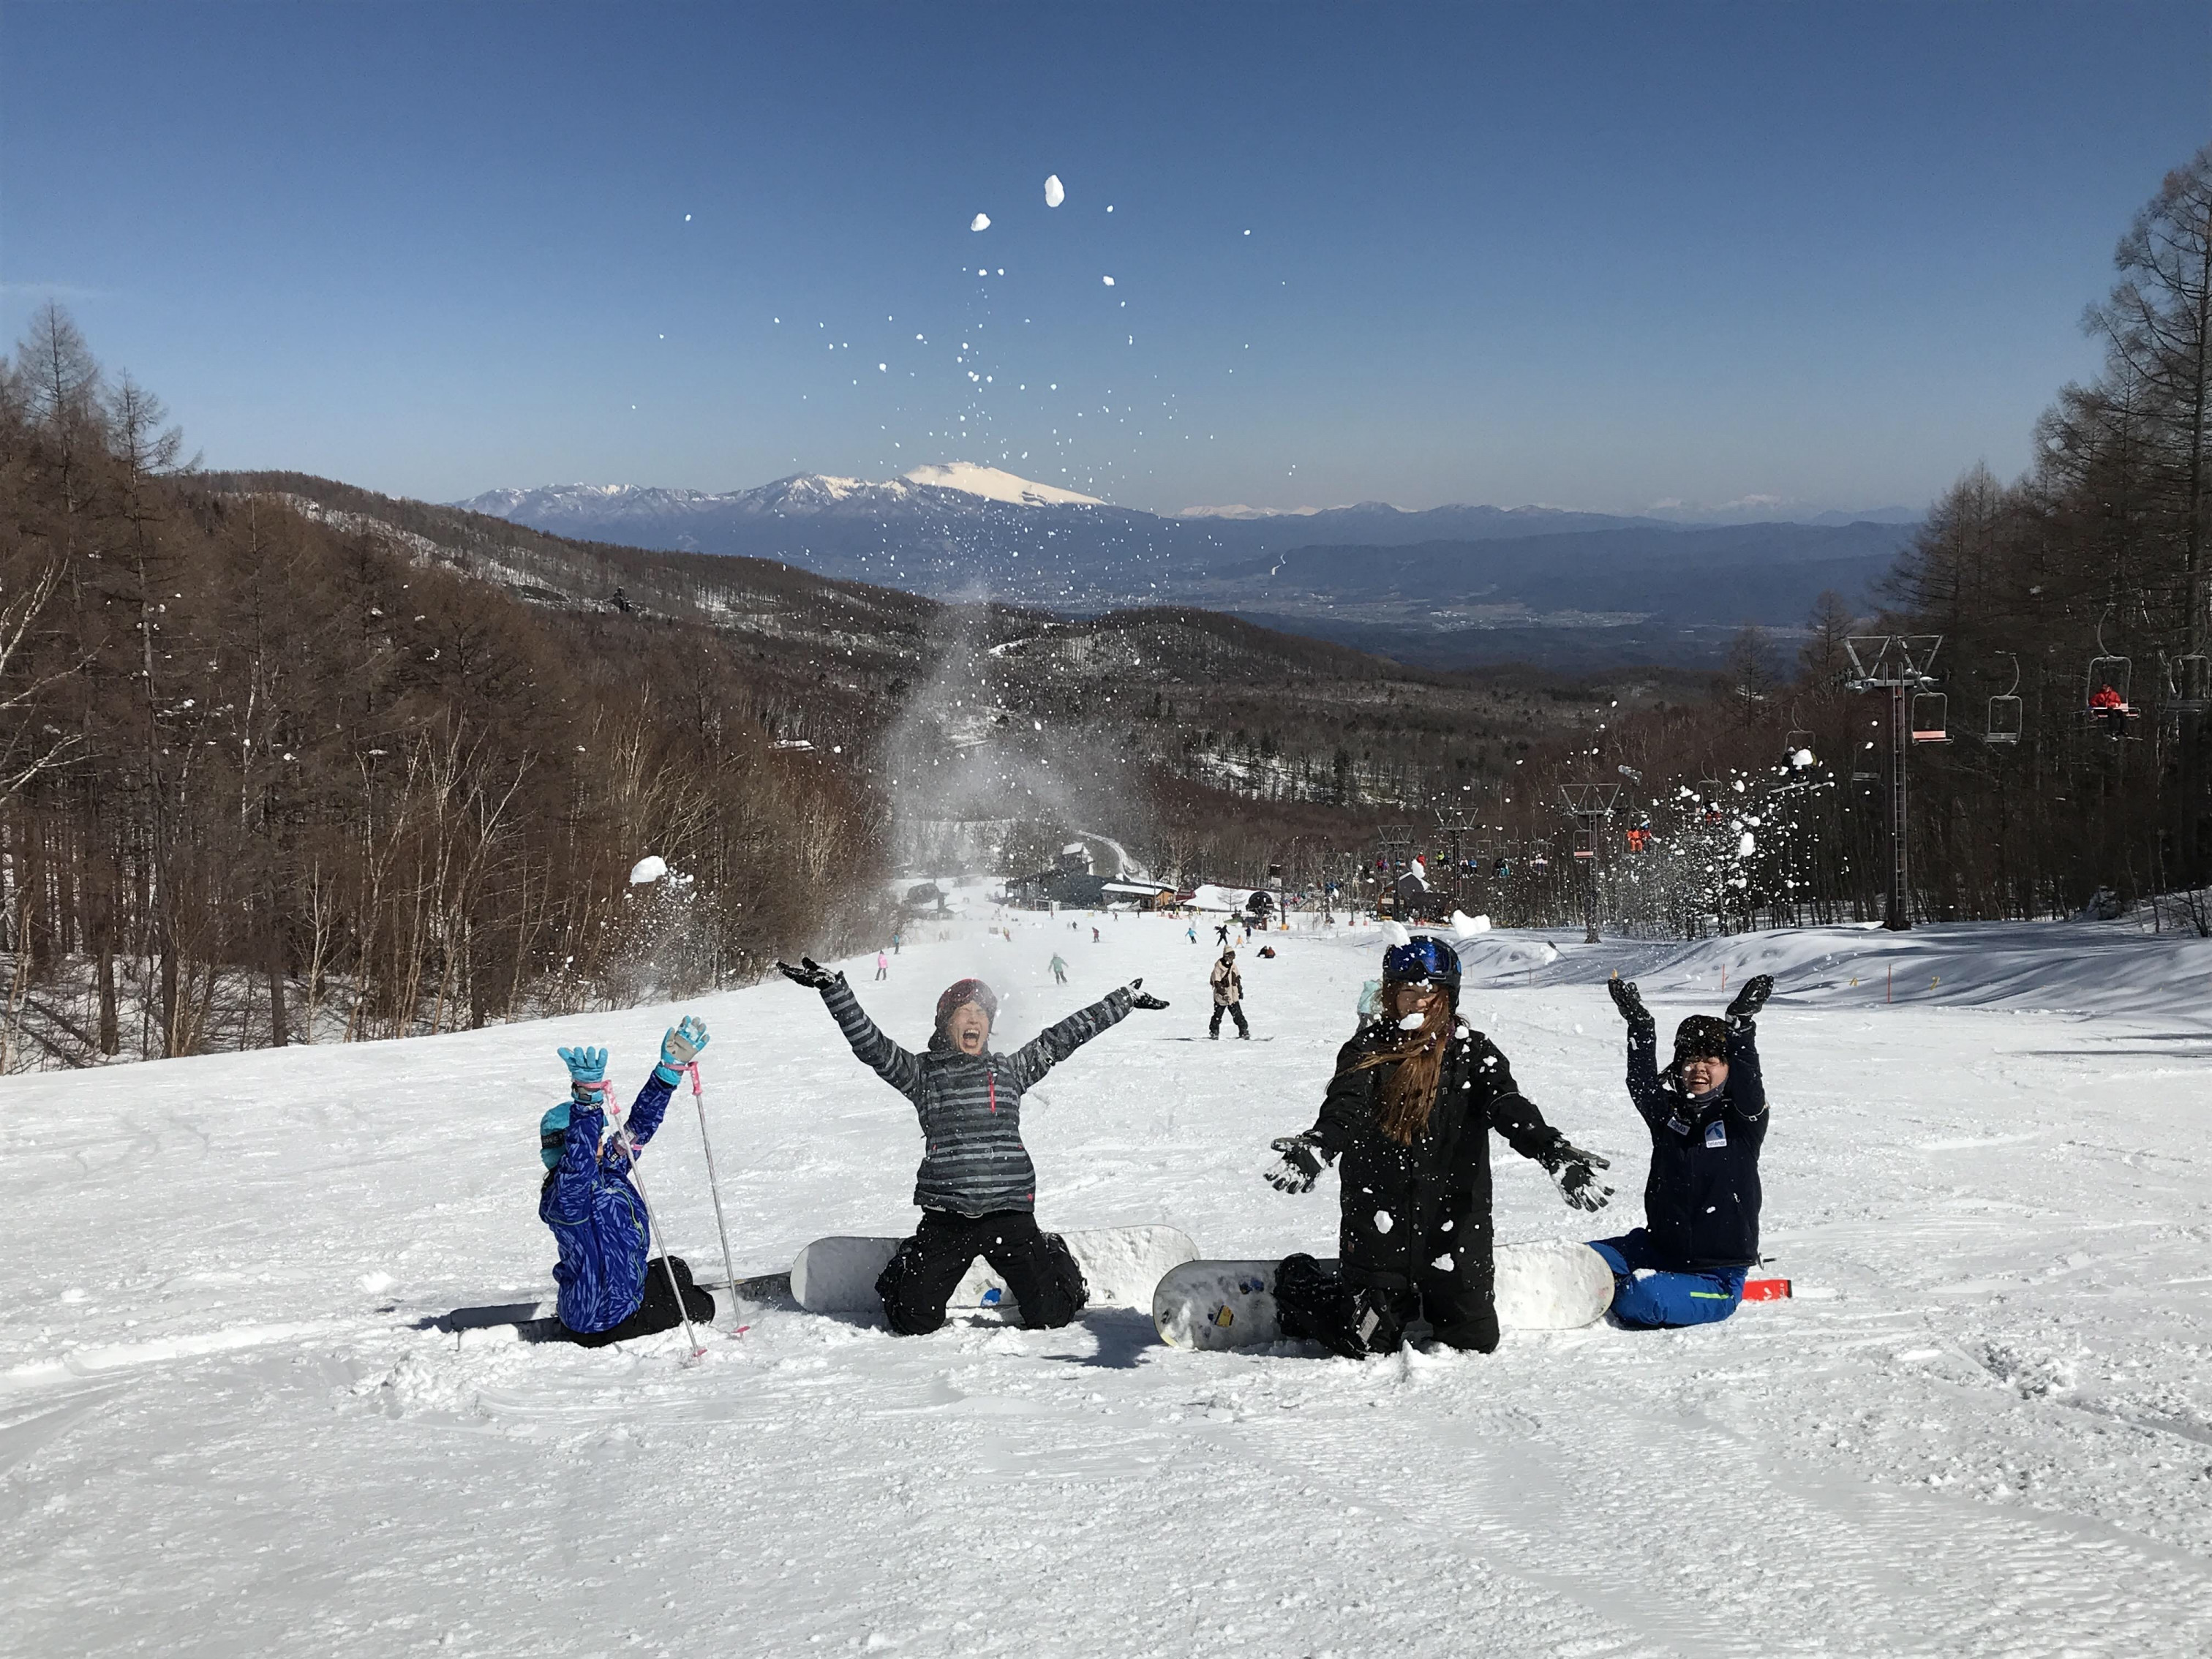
(1701, 1202)
(597, 1217)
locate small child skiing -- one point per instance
(1707, 1115)
(610, 1287)
(1416, 1092)
(883, 966)
(976, 1188)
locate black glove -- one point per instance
(1750, 1000)
(1625, 998)
(811, 973)
(1139, 999)
(1574, 1171)
(1299, 1167)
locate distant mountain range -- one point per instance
(1447, 585)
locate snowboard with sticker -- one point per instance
(1121, 1265)
(1552, 1285)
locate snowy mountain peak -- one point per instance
(994, 485)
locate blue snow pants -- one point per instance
(1663, 1298)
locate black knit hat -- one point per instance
(1701, 1036)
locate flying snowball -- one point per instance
(1802, 759)
(1467, 927)
(1053, 195)
(1109, 282)
(651, 867)
(687, 218)
(982, 221)
(1396, 935)
(1748, 846)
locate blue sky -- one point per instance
(1593, 255)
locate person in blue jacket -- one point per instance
(1707, 1115)
(610, 1287)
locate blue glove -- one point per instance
(680, 1045)
(585, 1067)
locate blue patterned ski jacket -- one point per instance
(597, 1219)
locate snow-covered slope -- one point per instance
(994, 485)
(1984, 1427)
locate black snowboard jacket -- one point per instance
(1411, 1216)
(1701, 1201)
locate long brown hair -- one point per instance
(1409, 1094)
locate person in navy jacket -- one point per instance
(1707, 1115)
(610, 1288)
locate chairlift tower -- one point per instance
(1591, 805)
(1455, 826)
(1901, 664)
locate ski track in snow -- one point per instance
(1984, 1427)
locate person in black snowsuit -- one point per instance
(1707, 1115)
(1406, 1119)
(976, 1188)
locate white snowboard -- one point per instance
(1553, 1284)
(1121, 1265)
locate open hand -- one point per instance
(1299, 1167)
(584, 1064)
(682, 1044)
(1574, 1171)
(810, 973)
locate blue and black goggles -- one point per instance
(1422, 959)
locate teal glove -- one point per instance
(681, 1046)
(587, 1072)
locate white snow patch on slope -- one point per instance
(994, 485)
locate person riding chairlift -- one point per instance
(2108, 706)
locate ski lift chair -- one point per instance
(2107, 701)
(2007, 714)
(1931, 721)
(2189, 683)
(1798, 743)
(1585, 841)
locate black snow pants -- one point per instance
(1356, 1317)
(657, 1310)
(1235, 1012)
(1038, 1269)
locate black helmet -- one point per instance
(1701, 1036)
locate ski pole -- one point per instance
(713, 1180)
(652, 1221)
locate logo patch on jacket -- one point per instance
(1717, 1134)
(1678, 1126)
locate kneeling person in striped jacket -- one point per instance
(976, 1186)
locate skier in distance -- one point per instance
(976, 1188)
(1707, 1115)
(610, 1288)
(1406, 1119)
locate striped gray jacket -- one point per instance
(973, 1161)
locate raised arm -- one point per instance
(567, 1201)
(900, 1067)
(1747, 1086)
(1056, 1042)
(1644, 1090)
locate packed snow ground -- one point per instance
(1984, 1427)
